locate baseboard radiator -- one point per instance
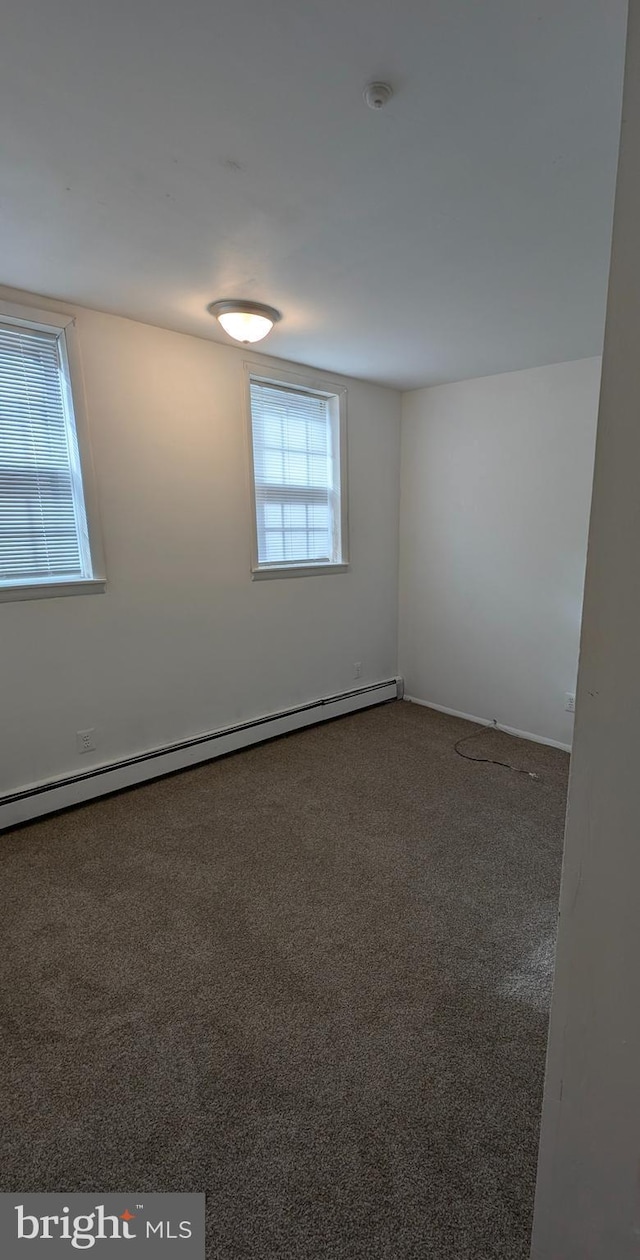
(46, 798)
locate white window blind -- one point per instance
(43, 525)
(296, 462)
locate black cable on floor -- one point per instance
(490, 761)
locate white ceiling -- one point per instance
(157, 155)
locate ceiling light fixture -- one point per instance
(245, 321)
(377, 95)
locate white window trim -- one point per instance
(316, 384)
(35, 317)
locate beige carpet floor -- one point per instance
(310, 979)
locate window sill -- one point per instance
(52, 590)
(292, 571)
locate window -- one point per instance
(298, 446)
(44, 531)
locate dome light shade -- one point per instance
(245, 321)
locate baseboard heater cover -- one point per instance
(46, 798)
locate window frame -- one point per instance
(64, 325)
(302, 382)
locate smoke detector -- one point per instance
(377, 94)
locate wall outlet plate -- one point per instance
(569, 702)
(86, 740)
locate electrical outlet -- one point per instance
(569, 702)
(357, 669)
(86, 741)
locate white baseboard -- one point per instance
(55, 794)
(471, 717)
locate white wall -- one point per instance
(588, 1204)
(495, 490)
(183, 642)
